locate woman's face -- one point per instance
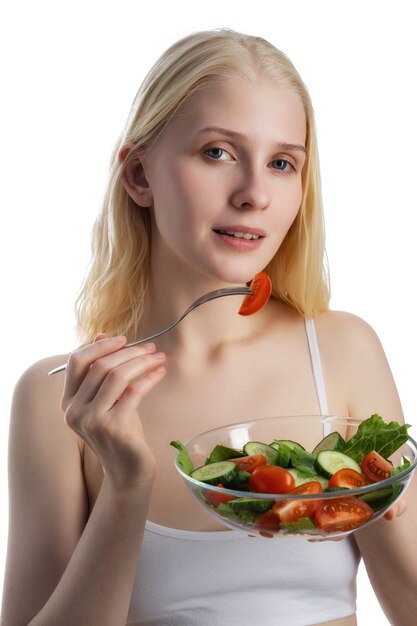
(225, 178)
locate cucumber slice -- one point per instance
(300, 478)
(250, 504)
(334, 441)
(240, 482)
(214, 473)
(256, 447)
(330, 461)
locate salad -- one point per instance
(286, 467)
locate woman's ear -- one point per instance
(134, 177)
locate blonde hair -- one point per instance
(114, 292)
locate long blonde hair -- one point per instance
(115, 289)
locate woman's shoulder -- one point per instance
(37, 420)
(355, 362)
(35, 377)
(337, 331)
(37, 396)
(347, 330)
(349, 342)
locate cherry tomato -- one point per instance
(261, 287)
(249, 463)
(292, 510)
(341, 514)
(271, 479)
(347, 477)
(375, 467)
(267, 521)
(216, 498)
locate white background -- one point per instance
(70, 72)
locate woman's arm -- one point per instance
(63, 569)
(389, 551)
(387, 547)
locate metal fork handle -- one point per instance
(212, 295)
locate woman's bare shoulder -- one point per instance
(35, 382)
(343, 329)
(45, 365)
(37, 398)
(355, 361)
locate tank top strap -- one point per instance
(316, 366)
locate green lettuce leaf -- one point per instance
(247, 518)
(375, 434)
(303, 461)
(283, 454)
(222, 453)
(405, 465)
(304, 523)
(184, 460)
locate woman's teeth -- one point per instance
(238, 234)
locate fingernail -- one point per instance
(160, 356)
(99, 337)
(149, 347)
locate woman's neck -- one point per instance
(209, 327)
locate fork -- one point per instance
(211, 295)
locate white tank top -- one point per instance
(225, 578)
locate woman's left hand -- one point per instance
(398, 509)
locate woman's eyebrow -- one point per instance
(235, 135)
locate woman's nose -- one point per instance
(251, 192)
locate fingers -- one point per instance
(398, 509)
(117, 368)
(134, 392)
(100, 336)
(102, 374)
(131, 376)
(81, 360)
(105, 382)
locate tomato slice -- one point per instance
(249, 463)
(216, 498)
(292, 510)
(375, 467)
(341, 514)
(347, 477)
(261, 286)
(271, 479)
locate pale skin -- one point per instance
(90, 458)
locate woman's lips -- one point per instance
(238, 243)
(241, 228)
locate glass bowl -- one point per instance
(256, 517)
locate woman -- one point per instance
(215, 178)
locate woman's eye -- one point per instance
(218, 154)
(282, 165)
